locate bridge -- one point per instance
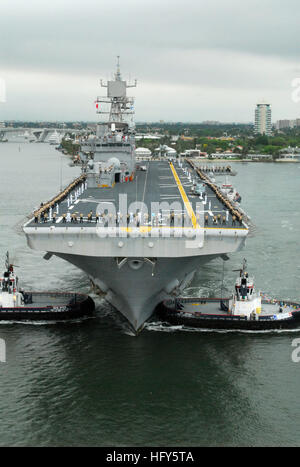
(38, 135)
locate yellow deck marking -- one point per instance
(145, 229)
(185, 198)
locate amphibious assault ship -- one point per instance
(139, 231)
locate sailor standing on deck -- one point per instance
(172, 217)
(118, 217)
(159, 218)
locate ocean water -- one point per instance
(91, 382)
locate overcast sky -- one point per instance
(194, 60)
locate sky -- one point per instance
(194, 60)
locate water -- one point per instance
(93, 383)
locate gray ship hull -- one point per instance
(136, 292)
(134, 274)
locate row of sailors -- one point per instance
(214, 169)
(130, 218)
(236, 215)
(137, 219)
(44, 208)
(223, 220)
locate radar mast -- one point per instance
(121, 105)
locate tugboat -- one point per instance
(228, 190)
(245, 310)
(16, 304)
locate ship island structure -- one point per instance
(140, 232)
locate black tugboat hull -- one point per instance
(51, 306)
(177, 318)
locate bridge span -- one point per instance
(38, 135)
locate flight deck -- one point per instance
(161, 194)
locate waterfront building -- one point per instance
(263, 119)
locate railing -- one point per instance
(60, 197)
(203, 300)
(225, 201)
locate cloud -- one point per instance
(52, 54)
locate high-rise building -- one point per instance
(281, 124)
(263, 119)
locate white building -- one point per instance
(165, 150)
(260, 157)
(289, 158)
(143, 153)
(263, 119)
(225, 155)
(194, 153)
(153, 137)
(290, 150)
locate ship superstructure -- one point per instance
(140, 235)
(109, 154)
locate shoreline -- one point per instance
(229, 161)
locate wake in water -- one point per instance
(161, 326)
(47, 322)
